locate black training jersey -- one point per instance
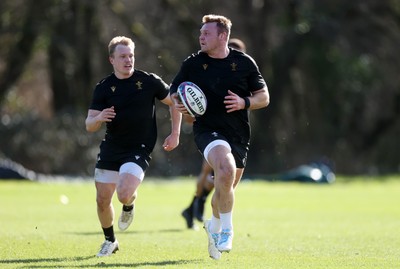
(238, 73)
(134, 104)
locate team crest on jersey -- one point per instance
(139, 85)
(233, 65)
(113, 88)
(205, 66)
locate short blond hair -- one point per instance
(224, 24)
(119, 40)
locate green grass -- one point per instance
(349, 224)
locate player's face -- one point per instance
(123, 61)
(209, 38)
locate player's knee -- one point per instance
(102, 203)
(126, 198)
(226, 175)
(123, 199)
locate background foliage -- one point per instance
(331, 67)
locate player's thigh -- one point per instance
(221, 158)
(131, 175)
(207, 169)
(104, 192)
(127, 184)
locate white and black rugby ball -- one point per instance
(192, 98)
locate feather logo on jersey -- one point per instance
(139, 85)
(205, 66)
(233, 65)
(113, 88)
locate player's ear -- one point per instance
(223, 36)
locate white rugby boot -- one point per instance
(108, 248)
(126, 219)
(212, 242)
(225, 240)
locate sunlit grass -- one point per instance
(349, 224)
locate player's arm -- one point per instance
(95, 118)
(172, 141)
(258, 99)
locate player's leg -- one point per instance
(217, 151)
(213, 229)
(187, 213)
(131, 175)
(239, 174)
(105, 209)
(196, 207)
(222, 180)
(221, 158)
(224, 176)
(203, 181)
(105, 188)
(205, 185)
(216, 208)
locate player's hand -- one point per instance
(178, 104)
(171, 142)
(233, 102)
(107, 114)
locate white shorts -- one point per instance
(213, 144)
(110, 176)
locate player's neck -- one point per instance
(121, 75)
(219, 53)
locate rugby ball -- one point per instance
(193, 98)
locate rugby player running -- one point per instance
(232, 83)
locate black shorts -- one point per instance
(238, 149)
(111, 157)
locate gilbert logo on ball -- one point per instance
(193, 98)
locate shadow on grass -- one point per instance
(51, 260)
(132, 232)
(64, 263)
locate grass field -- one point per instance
(349, 224)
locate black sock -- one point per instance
(204, 194)
(191, 204)
(109, 233)
(127, 208)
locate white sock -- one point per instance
(215, 225)
(226, 221)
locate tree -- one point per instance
(332, 71)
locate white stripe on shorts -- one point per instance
(110, 176)
(133, 169)
(106, 176)
(213, 144)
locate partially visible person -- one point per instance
(205, 180)
(233, 85)
(237, 44)
(204, 185)
(125, 102)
